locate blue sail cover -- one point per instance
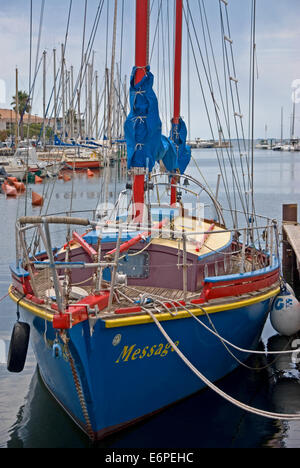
(143, 125)
(168, 154)
(178, 136)
(143, 131)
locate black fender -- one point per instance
(18, 347)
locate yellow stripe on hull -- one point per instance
(144, 319)
(34, 309)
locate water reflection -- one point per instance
(41, 423)
(285, 395)
(203, 420)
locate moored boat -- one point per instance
(25, 162)
(112, 317)
(138, 306)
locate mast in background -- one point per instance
(17, 108)
(293, 119)
(112, 77)
(281, 126)
(63, 92)
(55, 92)
(44, 97)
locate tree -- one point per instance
(3, 135)
(24, 107)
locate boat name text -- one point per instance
(131, 353)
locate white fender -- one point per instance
(285, 313)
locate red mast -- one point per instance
(141, 38)
(141, 62)
(177, 82)
(177, 67)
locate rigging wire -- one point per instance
(156, 29)
(220, 154)
(223, 172)
(253, 111)
(30, 46)
(38, 42)
(32, 86)
(121, 64)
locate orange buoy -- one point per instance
(37, 200)
(12, 179)
(9, 190)
(38, 180)
(90, 173)
(66, 178)
(19, 186)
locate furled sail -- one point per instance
(143, 131)
(178, 137)
(143, 125)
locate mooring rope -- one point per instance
(179, 305)
(4, 297)
(239, 404)
(225, 342)
(79, 390)
(242, 350)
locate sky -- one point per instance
(277, 39)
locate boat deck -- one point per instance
(198, 244)
(43, 284)
(127, 295)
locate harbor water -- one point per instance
(31, 418)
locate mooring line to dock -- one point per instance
(239, 404)
(213, 331)
(225, 342)
(4, 297)
(237, 348)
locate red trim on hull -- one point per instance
(239, 287)
(79, 313)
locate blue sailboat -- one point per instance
(124, 313)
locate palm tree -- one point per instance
(24, 107)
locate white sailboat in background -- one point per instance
(293, 144)
(264, 144)
(279, 146)
(25, 161)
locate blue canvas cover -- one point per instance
(169, 154)
(143, 131)
(179, 136)
(143, 125)
(58, 142)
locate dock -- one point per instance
(291, 245)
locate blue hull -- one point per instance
(126, 373)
